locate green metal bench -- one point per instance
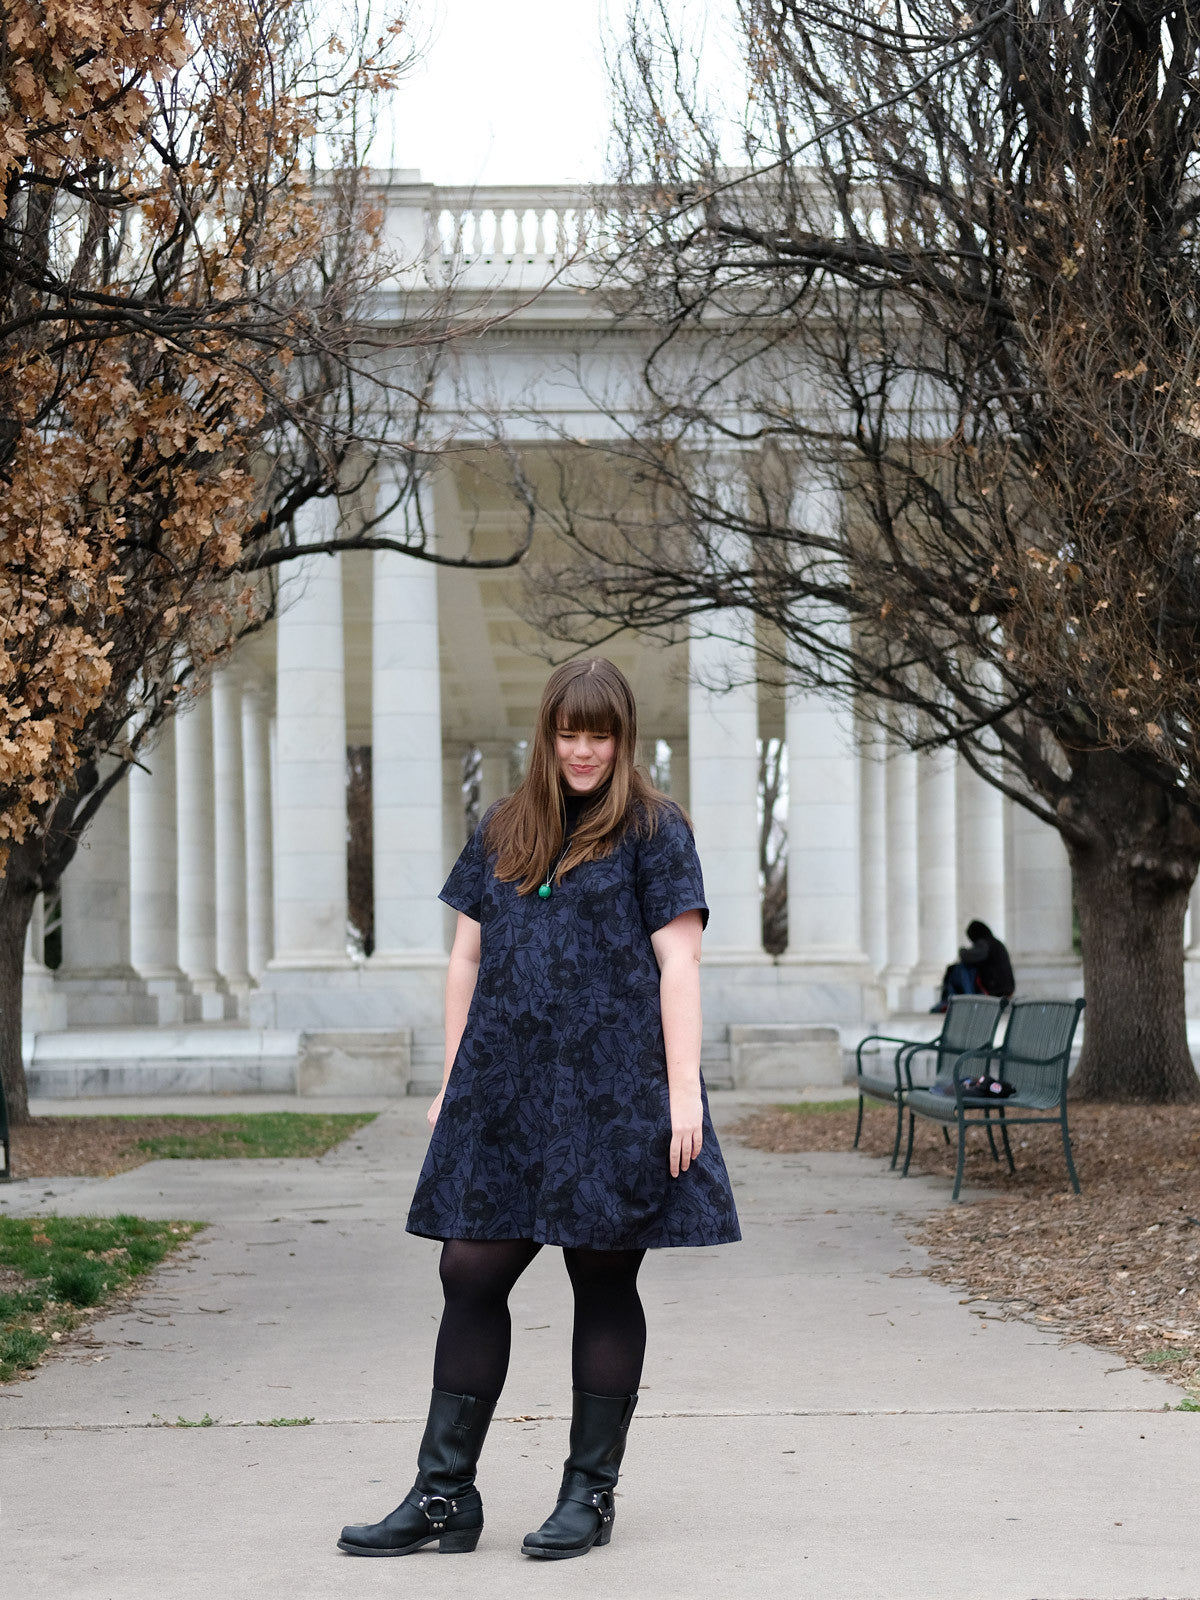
(1034, 1056)
(970, 1022)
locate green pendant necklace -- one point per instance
(545, 890)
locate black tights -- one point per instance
(609, 1338)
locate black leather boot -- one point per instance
(443, 1504)
(584, 1513)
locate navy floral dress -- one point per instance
(556, 1124)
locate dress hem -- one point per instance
(542, 1237)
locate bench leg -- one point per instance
(6, 1175)
(987, 1117)
(962, 1151)
(899, 1132)
(858, 1124)
(908, 1153)
(1066, 1138)
(1012, 1166)
(945, 1134)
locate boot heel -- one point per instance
(460, 1543)
(605, 1533)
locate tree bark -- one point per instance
(16, 907)
(1134, 853)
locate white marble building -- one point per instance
(204, 935)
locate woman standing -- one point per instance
(572, 1111)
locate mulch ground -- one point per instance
(92, 1147)
(1118, 1266)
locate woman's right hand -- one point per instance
(432, 1114)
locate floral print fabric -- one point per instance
(556, 1122)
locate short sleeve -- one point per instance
(463, 889)
(669, 881)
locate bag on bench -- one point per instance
(978, 1088)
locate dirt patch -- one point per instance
(100, 1146)
(92, 1147)
(11, 1281)
(1118, 1266)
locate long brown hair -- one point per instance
(526, 830)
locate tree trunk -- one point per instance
(16, 907)
(1132, 877)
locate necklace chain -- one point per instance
(547, 888)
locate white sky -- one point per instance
(509, 91)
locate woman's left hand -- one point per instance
(687, 1130)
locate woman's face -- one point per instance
(585, 760)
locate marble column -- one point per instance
(256, 776)
(723, 785)
(97, 976)
(872, 784)
(824, 906)
(310, 795)
(406, 753)
(197, 867)
(35, 936)
(229, 833)
(937, 872)
(43, 1009)
(980, 851)
(153, 874)
(1040, 907)
(902, 887)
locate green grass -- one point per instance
(69, 1264)
(1156, 1358)
(20, 1348)
(258, 1134)
(1189, 1404)
(287, 1422)
(817, 1108)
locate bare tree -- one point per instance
(944, 269)
(192, 260)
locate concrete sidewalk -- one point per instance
(817, 1418)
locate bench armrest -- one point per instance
(881, 1038)
(933, 1045)
(905, 1059)
(983, 1052)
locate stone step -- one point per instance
(86, 1062)
(217, 1060)
(785, 1055)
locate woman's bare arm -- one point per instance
(677, 950)
(460, 986)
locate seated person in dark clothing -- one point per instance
(983, 967)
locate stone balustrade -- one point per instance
(496, 236)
